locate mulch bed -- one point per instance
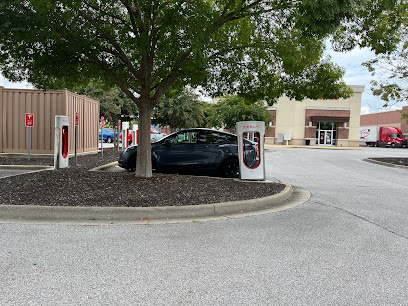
(401, 161)
(77, 186)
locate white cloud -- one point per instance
(20, 85)
(365, 110)
(356, 74)
(390, 108)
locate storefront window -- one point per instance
(329, 126)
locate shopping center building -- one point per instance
(316, 122)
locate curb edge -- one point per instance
(150, 215)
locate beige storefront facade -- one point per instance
(316, 122)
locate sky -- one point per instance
(7, 84)
(356, 74)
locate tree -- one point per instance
(260, 49)
(391, 69)
(231, 109)
(179, 110)
(114, 103)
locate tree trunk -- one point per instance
(144, 150)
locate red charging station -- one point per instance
(61, 146)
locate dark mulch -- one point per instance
(76, 186)
(402, 161)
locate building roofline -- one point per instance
(357, 88)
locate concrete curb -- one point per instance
(105, 167)
(369, 160)
(44, 156)
(30, 168)
(290, 197)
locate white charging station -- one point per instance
(251, 162)
(125, 128)
(61, 144)
(135, 127)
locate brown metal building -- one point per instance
(45, 105)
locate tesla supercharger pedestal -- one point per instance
(61, 145)
(125, 128)
(251, 162)
(135, 127)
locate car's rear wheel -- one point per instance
(109, 139)
(230, 168)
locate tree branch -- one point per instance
(132, 14)
(165, 84)
(104, 13)
(124, 86)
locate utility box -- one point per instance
(61, 147)
(280, 138)
(287, 137)
(251, 140)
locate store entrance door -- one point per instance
(326, 134)
(325, 138)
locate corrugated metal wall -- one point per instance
(88, 110)
(45, 105)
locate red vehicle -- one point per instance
(383, 136)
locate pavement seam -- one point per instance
(362, 218)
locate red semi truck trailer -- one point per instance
(382, 136)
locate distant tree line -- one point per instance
(179, 110)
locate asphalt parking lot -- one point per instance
(347, 245)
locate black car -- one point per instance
(195, 151)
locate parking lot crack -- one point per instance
(365, 219)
